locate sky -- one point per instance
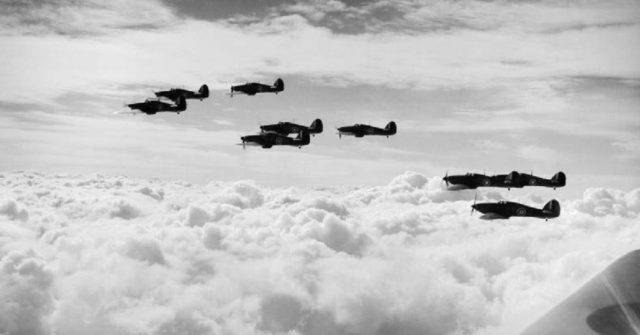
(113, 222)
(475, 86)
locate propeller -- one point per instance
(446, 178)
(473, 208)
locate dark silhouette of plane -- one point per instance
(174, 93)
(507, 209)
(269, 139)
(513, 179)
(152, 106)
(360, 130)
(286, 128)
(253, 88)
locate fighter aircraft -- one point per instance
(507, 209)
(174, 93)
(360, 130)
(253, 88)
(286, 128)
(269, 139)
(513, 179)
(152, 106)
(467, 181)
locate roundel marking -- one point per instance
(486, 182)
(521, 211)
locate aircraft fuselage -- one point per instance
(507, 209)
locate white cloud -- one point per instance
(113, 255)
(26, 297)
(601, 202)
(290, 45)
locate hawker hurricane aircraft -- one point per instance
(253, 88)
(513, 179)
(174, 93)
(269, 139)
(286, 128)
(152, 106)
(507, 209)
(360, 130)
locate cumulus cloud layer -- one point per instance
(112, 255)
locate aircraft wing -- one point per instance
(277, 128)
(268, 127)
(171, 95)
(143, 107)
(458, 187)
(164, 105)
(492, 216)
(607, 304)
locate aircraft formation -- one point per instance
(174, 100)
(177, 101)
(297, 135)
(514, 179)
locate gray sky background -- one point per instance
(474, 86)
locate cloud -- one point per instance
(72, 18)
(447, 45)
(417, 16)
(26, 296)
(236, 257)
(11, 210)
(602, 202)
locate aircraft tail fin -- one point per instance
(553, 208)
(512, 178)
(181, 103)
(279, 85)
(316, 126)
(204, 91)
(559, 179)
(303, 137)
(391, 128)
